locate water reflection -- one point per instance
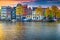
(41, 31)
(29, 31)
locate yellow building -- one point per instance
(19, 9)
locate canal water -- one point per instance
(29, 31)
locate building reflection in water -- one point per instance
(29, 31)
(1, 32)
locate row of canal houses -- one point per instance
(18, 13)
(9, 13)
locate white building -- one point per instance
(36, 17)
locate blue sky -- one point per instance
(44, 3)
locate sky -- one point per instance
(30, 2)
(12, 2)
(44, 4)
